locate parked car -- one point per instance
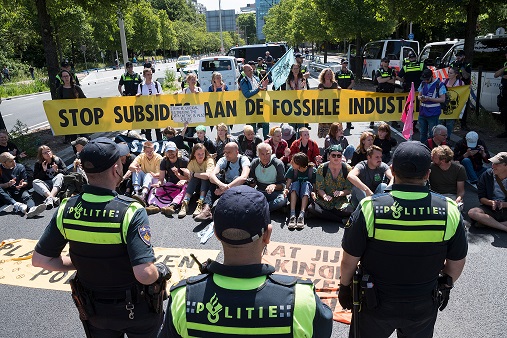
(183, 61)
(317, 65)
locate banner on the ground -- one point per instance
(87, 116)
(317, 263)
(16, 266)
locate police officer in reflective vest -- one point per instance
(130, 80)
(65, 65)
(502, 97)
(385, 77)
(411, 244)
(411, 72)
(345, 78)
(117, 289)
(242, 297)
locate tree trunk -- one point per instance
(471, 28)
(359, 59)
(48, 43)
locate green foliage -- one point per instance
(20, 135)
(248, 27)
(145, 28)
(169, 82)
(9, 89)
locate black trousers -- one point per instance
(410, 319)
(111, 320)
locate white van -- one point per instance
(395, 50)
(225, 65)
(433, 53)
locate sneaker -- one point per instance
(152, 209)
(205, 214)
(20, 207)
(198, 209)
(291, 225)
(9, 208)
(168, 211)
(183, 210)
(34, 211)
(49, 203)
(300, 223)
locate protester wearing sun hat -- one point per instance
(110, 247)
(492, 193)
(242, 296)
(472, 153)
(412, 246)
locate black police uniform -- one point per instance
(107, 235)
(249, 300)
(411, 73)
(131, 82)
(344, 78)
(59, 81)
(468, 68)
(502, 100)
(403, 238)
(385, 87)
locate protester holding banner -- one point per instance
(332, 188)
(453, 81)
(200, 166)
(149, 87)
(191, 87)
(431, 95)
(117, 288)
(267, 304)
(145, 171)
(251, 85)
(412, 246)
(68, 89)
(365, 142)
(217, 85)
(295, 81)
(326, 81)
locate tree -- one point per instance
(168, 35)
(275, 27)
(145, 32)
(247, 26)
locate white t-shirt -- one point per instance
(149, 89)
(187, 90)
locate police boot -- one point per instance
(184, 209)
(205, 214)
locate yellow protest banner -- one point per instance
(79, 116)
(16, 266)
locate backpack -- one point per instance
(221, 174)
(156, 87)
(445, 106)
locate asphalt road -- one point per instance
(476, 308)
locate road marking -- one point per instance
(29, 98)
(7, 115)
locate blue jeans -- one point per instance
(141, 180)
(304, 188)
(472, 174)
(358, 194)
(276, 200)
(194, 183)
(426, 124)
(23, 196)
(349, 151)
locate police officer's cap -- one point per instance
(298, 55)
(241, 208)
(260, 58)
(411, 159)
(411, 55)
(128, 64)
(345, 61)
(385, 59)
(99, 155)
(252, 63)
(65, 63)
(427, 74)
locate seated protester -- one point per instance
(447, 177)
(223, 138)
(492, 193)
(307, 146)
(332, 188)
(200, 167)
(230, 171)
(248, 142)
(169, 135)
(472, 153)
(368, 176)
(268, 174)
(279, 146)
(288, 133)
(335, 137)
(439, 137)
(125, 187)
(385, 141)
(300, 179)
(14, 188)
(78, 145)
(145, 171)
(365, 142)
(167, 194)
(48, 176)
(201, 137)
(8, 146)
